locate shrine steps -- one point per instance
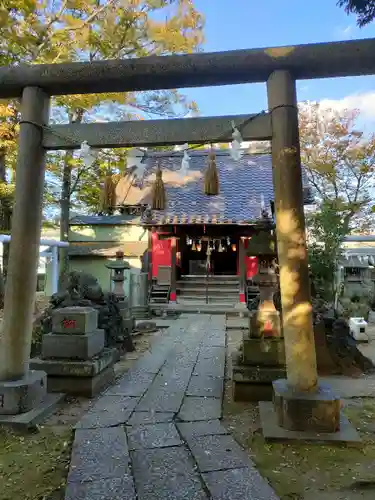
(200, 308)
(214, 290)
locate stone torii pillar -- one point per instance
(15, 339)
(290, 232)
(299, 402)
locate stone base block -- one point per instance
(253, 383)
(317, 411)
(82, 386)
(70, 368)
(80, 378)
(268, 351)
(64, 346)
(36, 416)
(273, 432)
(257, 374)
(248, 391)
(23, 395)
(74, 320)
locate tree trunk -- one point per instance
(64, 212)
(66, 193)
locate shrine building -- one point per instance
(196, 243)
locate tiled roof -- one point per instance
(243, 185)
(116, 220)
(130, 249)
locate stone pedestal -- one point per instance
(258, 363)
(73, 355)
(317, 411)
(305, 416)
(25, 403)
(21, 396)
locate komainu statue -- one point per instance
(82, 289)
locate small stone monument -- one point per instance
(139, 296)
(117, 269)
(261, 358)
(73, 354)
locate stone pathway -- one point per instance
(156, 434)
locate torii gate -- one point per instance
(279, 67)
(53, 253)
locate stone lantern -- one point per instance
(261, 357)
(117, 268)
(265, 322)
(117, 277)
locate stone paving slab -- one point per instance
(205, 386)
(194, 409)
(203, 428)
(151, 362)
(99, 454)
(105, 489)
(169, 432)
(149, 417)
(217, 452)
(108, 411)
(214, 341)
(238, 484)
(103, 420)
(209, 352)
(211, 366)
(179, 360)
(134, 383)
(159, 435)
(166, 474)
(167, 390)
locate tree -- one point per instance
(363, 9)
(326, 234)
(37, 31)
(340, 165)
(339, 162)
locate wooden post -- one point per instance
(290, 231)
(26, 228)
(173, 294)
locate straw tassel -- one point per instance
(211, 176)
(158, 192)
(108, 195)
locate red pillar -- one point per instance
(242, 269)
(173, 293)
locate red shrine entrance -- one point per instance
(176, 257)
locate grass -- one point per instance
(34, 466)
(303, 471)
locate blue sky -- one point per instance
(250, 24)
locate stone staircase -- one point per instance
(159, 294)
(216, 290)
